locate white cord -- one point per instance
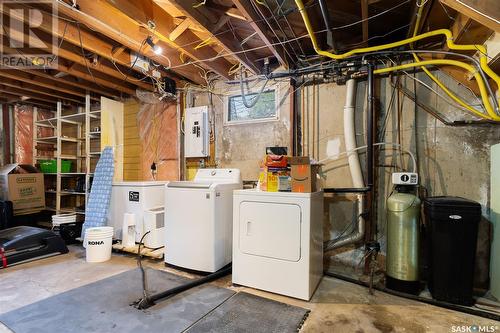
(336, 157)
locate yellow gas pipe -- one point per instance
(492, 115)
(437, 81)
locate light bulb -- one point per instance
(157, 50)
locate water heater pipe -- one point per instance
(354, 167)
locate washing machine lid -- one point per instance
(218, 176)
(270, 229)
(189, 184)
(141, 183)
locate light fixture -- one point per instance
(156, 49)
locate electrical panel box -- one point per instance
(404, 178)
(196, 132)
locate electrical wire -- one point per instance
(202, 3)
(220, 33)
(243, 95)
(471, 59)
(435, 91)
(294, 35)
(257, 9)
(244, 51)
(397, 145)
(145, 297)
(135, 60)
(233, 32)
(376, 37)
(365, 19)
(83, 54)
(227, 54)
(492, 114)
(437, 81)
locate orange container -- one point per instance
(276, 161)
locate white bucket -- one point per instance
(97, 243)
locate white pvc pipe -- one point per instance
(355, 168)
(350, 135)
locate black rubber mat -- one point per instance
(244, 312)
(103, 306)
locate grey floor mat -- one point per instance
(249, 313)
(103, 306)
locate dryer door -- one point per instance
(270, 229)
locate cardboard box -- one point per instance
(24, 186)
(303, 174)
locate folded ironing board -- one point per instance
(97, 206)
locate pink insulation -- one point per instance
(158, 132)
(23, 134)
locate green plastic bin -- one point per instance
(50, 166)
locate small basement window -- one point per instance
(264, 109)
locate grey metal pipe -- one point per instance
(326, 18)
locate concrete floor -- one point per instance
(337, 306)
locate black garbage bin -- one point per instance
(452, 223)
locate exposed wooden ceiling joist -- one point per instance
(184, 41)
(85, 86)
(74, 56)
(179, 29)
(208, 19)
(486, 12)
(245, 7)
(11, 99)
(465, 30)
(21, 92)
(105, 19)
(80, 38)
(141, 9)
(80, 72)
(36, 89)
(42, 82)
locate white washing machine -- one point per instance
(199, 220)
(278, 241)
(134, 197)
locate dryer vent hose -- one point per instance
(148, 301)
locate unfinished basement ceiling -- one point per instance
(97, 41)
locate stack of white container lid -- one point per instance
(57, 220)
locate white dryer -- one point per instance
(278, 241)
(199, 220)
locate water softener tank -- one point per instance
(402, 263)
